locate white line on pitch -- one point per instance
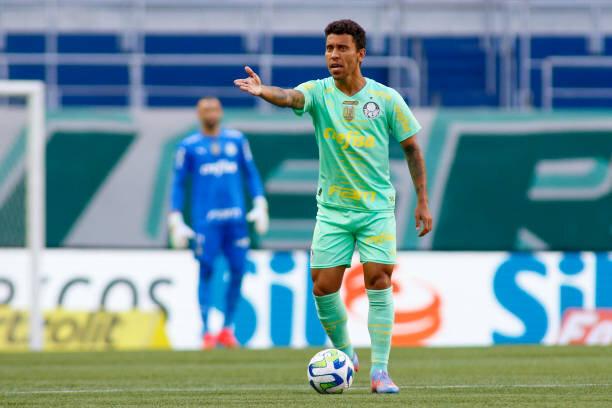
(286, 388)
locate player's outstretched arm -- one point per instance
(286, 98)
(416, 164)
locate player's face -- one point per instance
(342, 56)
(210, 112)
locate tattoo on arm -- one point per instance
(283, 97)
(416, 164)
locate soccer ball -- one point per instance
(330, 372)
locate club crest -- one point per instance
(371, 110)
(231, 149)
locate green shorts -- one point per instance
(338, 229)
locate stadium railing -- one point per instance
(596, 90)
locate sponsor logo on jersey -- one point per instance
(348, 110)
(351, 193)
(230, 149)
(221, 214)
(219, 168)
(351, 138)
(371, 110)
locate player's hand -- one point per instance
(180, 233)
(259, 215)
(423, 219)
(252, 84)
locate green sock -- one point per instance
(380, 325)
(332, 314)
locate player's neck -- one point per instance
(211, 131)
(351, 84)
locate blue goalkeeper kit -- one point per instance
(217, 166)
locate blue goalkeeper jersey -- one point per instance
(216, 165)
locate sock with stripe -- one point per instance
(333, 317)
(380, 325)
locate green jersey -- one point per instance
(352, 133)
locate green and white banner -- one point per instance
(497, 180)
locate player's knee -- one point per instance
(322, 288)
(378, 281)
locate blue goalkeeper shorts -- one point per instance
(231, 238)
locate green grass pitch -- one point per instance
(433, 377)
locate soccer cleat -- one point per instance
(209, 341)
(227, 339)
(355, 361)
(383, 384)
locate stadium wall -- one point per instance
(441, 299)
(497, 180)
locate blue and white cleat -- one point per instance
(382, 383)
(355, 361)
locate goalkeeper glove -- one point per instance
(180, 233)
(259, 215)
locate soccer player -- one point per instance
(216, 159)
(354, 118)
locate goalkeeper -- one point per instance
(354, 119)
(216, 159)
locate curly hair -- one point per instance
(348, 27)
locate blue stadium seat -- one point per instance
(544, 46)
(193, 44)
(292, 77)
(85, 43)
(190, 101)
(183, 75)
(571, 77)
(583, 103)
(93, 75)
(95, 100)
(468, 98)
(26, 71)
(296, 44)
(24, 43)
(452, 46)
(608, 46)
(456, 71)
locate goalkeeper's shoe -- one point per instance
(227, 339)
(209, 341)
(382, 383)
(355, 361)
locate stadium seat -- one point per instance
(25, 43)
(82, 43)
(187, 43)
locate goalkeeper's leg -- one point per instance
(235, 248)
(206, 248)
(204, 299)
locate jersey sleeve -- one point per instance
(308, 89)
(402, 122)
(182, 169)
(250, 170)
